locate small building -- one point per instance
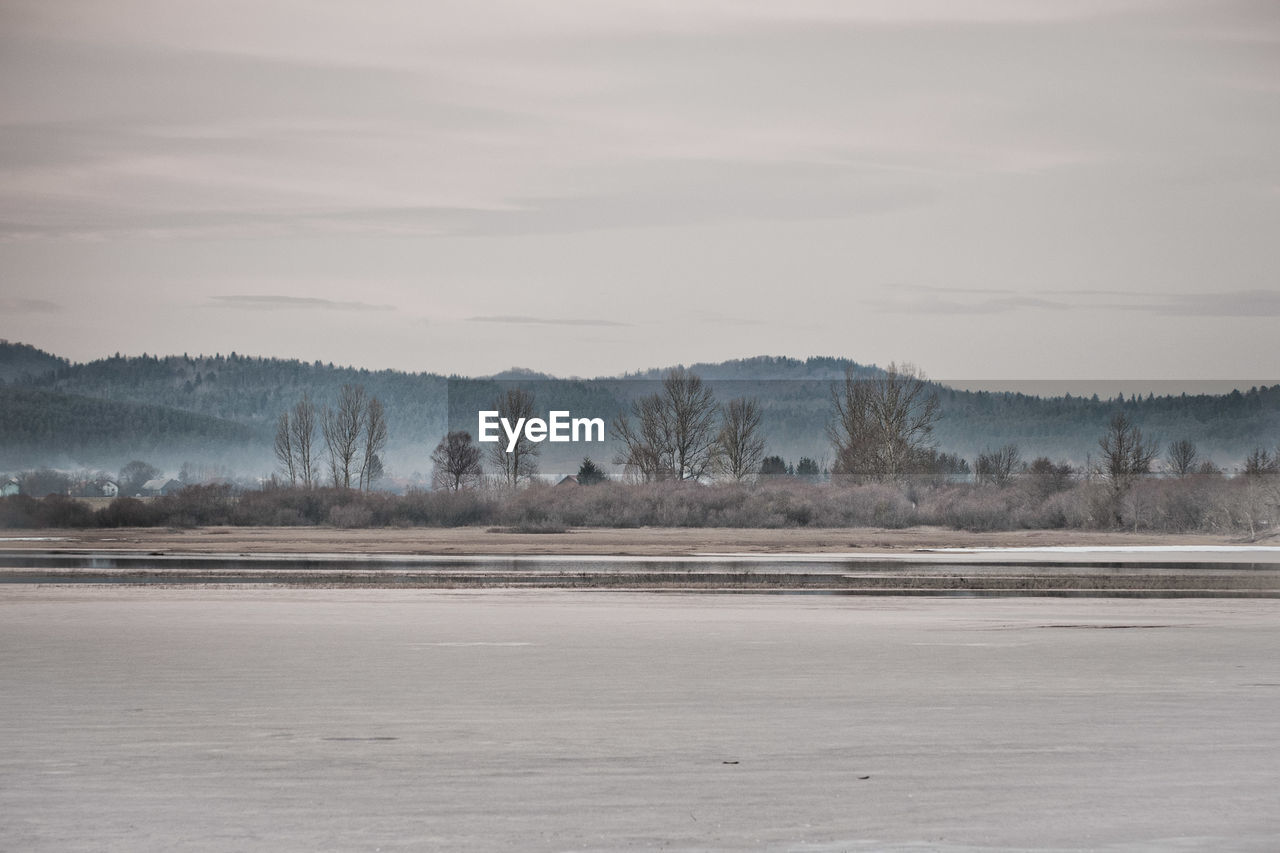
(160, 486)
(9, 486)
(99, 488)
(570, 480)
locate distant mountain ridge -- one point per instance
(24, 363)
(795, 395)
(769, 368)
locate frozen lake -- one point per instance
(152, 718)
(1124, 572)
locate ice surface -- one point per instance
(142, 719)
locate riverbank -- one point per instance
(645, 541)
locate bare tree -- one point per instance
(1183, 457)
(518, 465)
(692, 410)
(375, 441)
(646, 449)
(1126, 454)
(284, 448)
(675, 430)
(341, 429)
(302, 427)
(457, 462)
(740, 444)
(882, 425)
(998, 467)
(133, 475)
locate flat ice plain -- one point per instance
(192, 718)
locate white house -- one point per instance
(160, 486)
(9, 486)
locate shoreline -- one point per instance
(645, 541)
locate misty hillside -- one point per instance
(67, 430)
(24, 363)
(247, 393)
(770, 368)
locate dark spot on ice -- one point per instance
(1085, 625)
(864, 777)
(360, 738)
(728, 762)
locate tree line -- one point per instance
(881, 431)
(793, 399)
(352, 436)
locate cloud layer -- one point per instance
(723, 178)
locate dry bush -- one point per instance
(1069, 509)
(17, 511)
(62, 511)
(195, 506)
(129, 512)
(1201, 502)
(875, 505)
(446, 508)
(968, 507)
(288, 507)
(351, 515)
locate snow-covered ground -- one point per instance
(141, 719)
(1123, 549)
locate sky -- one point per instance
(989, 189)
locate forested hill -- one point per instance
(23, 362)
(1225, 426)
(795, 396)
(67, 430)
(252, 391)
(770, 368)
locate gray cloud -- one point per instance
(29, 306)
(1227, 303)
(275, 302)
(1237, 303)
(522, 320)
(1086, 169)
(1001, 305)
(720, 318)
(667, 193)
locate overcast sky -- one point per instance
(987, 188)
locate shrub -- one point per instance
(62, 511)
(1209, 502)
(350, 515)
(129, 512)
(18, 511)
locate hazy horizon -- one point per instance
(986, 188)
(1076, 386)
